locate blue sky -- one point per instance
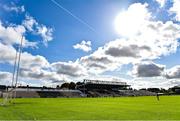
(103, 39)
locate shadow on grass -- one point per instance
(23, 103)
(14, 103)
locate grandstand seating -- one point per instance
(110, 93)
(36, 93)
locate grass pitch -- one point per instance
(131, 108)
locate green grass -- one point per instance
(132, 108)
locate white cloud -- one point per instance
(36, 67)
(173, 73)
(12, 35)
(156, 82)
(33, 78)
(39, 29)
(138, 26)
(129, 22)
(84, 45)
(175, 9)
(7, 58)
(151, 40)
(93, 64)
(155, 40)
(29, 23)
(14, 8)
(5, 77)
(155, 75)
(32, 67)
(40, 74)
(98, 62)
(107, 78)
(27, 60)
(45, 32)
(161, 2)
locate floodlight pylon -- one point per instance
(8, 95)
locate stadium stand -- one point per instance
(60, 93)
(87, 88)
(101, 85)
(45, 93)
(100, 88)
(3, 88)
(176, 89)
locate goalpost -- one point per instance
(10, 94)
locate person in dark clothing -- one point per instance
(157, 96)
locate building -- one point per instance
(101, 88)
(45, 93)
(39, 92)
(176, 89)
(3, 88)
(100, 85)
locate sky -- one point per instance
(134, 41)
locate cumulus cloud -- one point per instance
(39, 29)
(151, 40)
(129, 22)
(12, 34)
(29, 23)
(156, 82)
(39, 74)
(175, 9)
(27, 60)
(173, 73)
(36, 67)
(155, 40)
(45, 32)
(99, 62)
(148, 40)
(32, 67)
(96, 63)
(148, 69)
(13, 7)
(161, 2)
(5, 77)
(72, 69)
(7, 58)
(123, 48)
(84, 45)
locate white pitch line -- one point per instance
(74, 16)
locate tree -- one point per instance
(65, 85)
(72, 85)
(157, 90)
(79, 83)
(57, 87)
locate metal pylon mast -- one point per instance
(18, 66)
(8, 95)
